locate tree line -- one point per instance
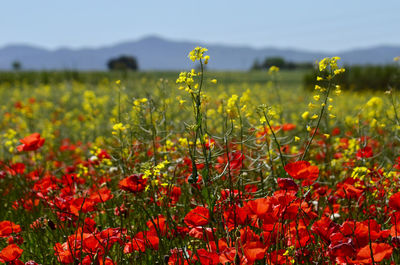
(121, 63)
(362, 77)
(281, 63)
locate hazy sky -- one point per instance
(312, 25)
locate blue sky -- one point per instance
(310, 25)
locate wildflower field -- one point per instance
(198, 168)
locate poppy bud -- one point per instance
(51, 225)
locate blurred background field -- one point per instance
(83, 105)
(76, 100)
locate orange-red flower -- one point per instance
(287, 184)
(141, 241)
(134, 183)
(380, 251)
(394, 201)
(302, 170)
(63, 253)
(31, 143)
(365, 152)
(10, 253)
(7, 228)
(206, 258)
(197, 217)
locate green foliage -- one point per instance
(281, 63)
(16, 65)
(274, 61)
(358, 78)
(123, 63)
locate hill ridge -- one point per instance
(157, 53)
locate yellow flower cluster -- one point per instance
(10, 140)
(154, 173)
(186, 78)
(198, 54)
(231, 108)
(155, 170)
(328, 68)
(119, 127)
(332, 63)
(273, 69)
(82, 171)
(359, 173)
(375, 103)
(139, 101)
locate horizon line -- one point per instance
(163, 38)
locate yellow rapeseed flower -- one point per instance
(273, 69)
(198, 54)
(323, 64)
(305, 115)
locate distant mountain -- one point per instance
(154, 53)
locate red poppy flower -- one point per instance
(365, 152)
(254, 250)
(380, 252)
(341, 246)
(89, 225)
(101, 195)
(63, 253)
(141, 241)
(158, 224)
(260, 206)
(324, 228)
(287, 184)
(288, 127)
(206, 258)
(366, 231)
(17, 168)
(207, 234)
(7, 228)
(235, 159)
(90, 243)
(175, 194)
(302, 170)
(197, 217)
(348, 191)
(31, 143)
(134, 183)
(394, 201)
(83, 205)
(335, 131)
(10, 253)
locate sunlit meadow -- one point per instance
(198, 168)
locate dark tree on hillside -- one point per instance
(281, 63)
(123, 63)
(274, 61)
(16, 65)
